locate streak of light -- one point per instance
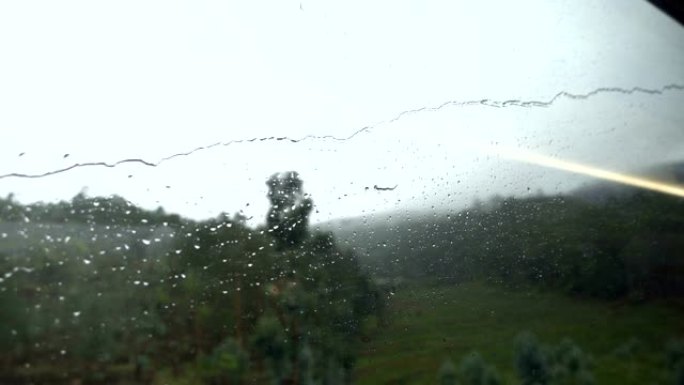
(590, 170)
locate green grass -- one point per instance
(429, 324)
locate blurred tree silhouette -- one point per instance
(531, 361)
(474, 371)
(447, 373)
(288, 216)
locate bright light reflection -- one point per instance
(596, 172)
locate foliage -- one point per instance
(430, 321)
(674, 354)
(531, 361)
(632, 246)
(474, 371)
(447, 373)
(563, 364)
(227, 364)
(288, 217)
(97, 283)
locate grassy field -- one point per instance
(429, 324)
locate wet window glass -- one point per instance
(318, 192)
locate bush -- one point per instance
(227, 364)
(447, 373)
(474, 371)
(530, 360)
(674, 355)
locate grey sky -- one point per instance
(104, 81)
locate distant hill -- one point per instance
(368, 231)
(602, 240)
(600, 192)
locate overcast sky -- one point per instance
(104, 81)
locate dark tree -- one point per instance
(288, 216)
(530, 360)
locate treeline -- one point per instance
(628, 246)
(543, 364)
(86, 210)
(101, 291)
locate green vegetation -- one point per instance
(544, 290)
(97, 290)
(628, 247)
(431, 324)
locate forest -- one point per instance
(631, 246)
(97, 290)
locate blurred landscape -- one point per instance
(342, 192)
(579, 288)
